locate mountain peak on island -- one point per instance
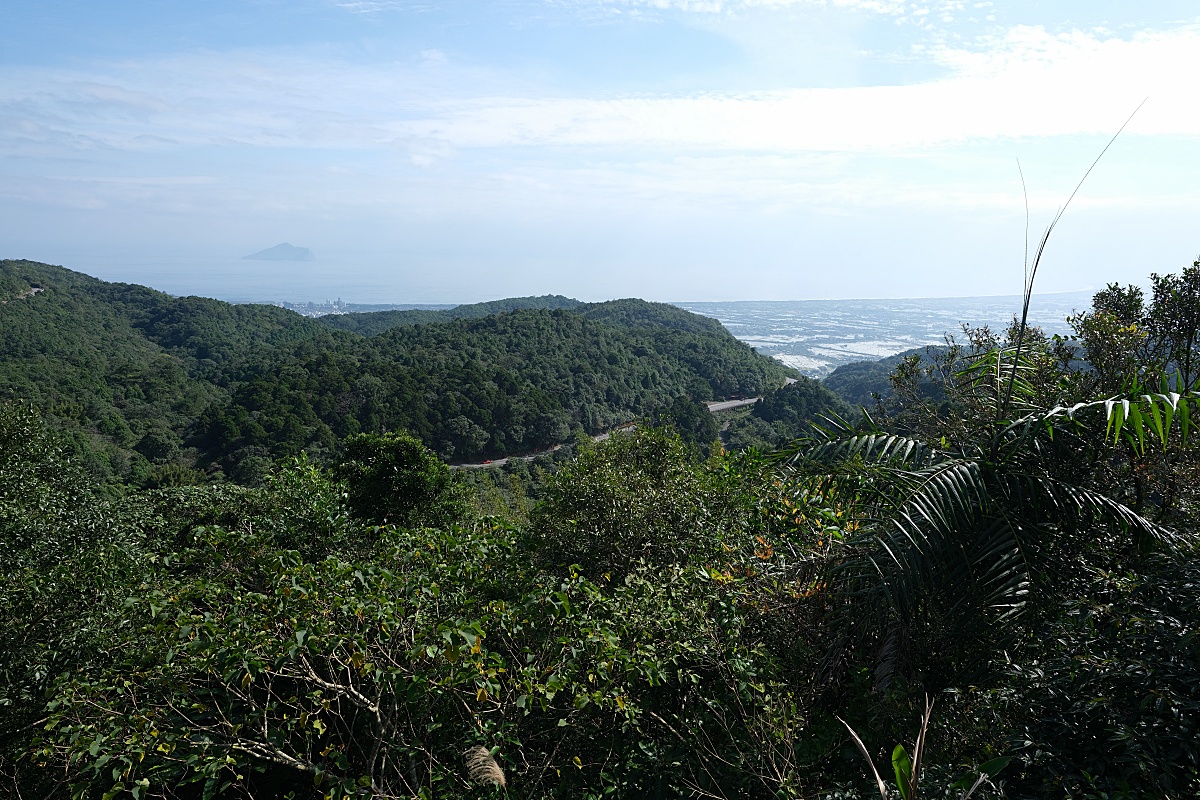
(282, 252)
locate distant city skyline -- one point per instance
(668, 149)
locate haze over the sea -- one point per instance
(699, 149)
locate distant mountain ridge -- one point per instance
(631, 313)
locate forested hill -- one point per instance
(630, 313)
(158, 389)
(640, 314)
(859, 381)
(192, 328)
(370, 323)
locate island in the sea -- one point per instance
(282, 252)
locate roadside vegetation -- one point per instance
(1010, 535)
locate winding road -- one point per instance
(713, 406)
(724, 405)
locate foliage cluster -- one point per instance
(784, 414)
(264, 641)
(1005, 534)
(481, 388)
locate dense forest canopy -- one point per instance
(375, 322)
(1009, 535)
(785, 414)
(161, 390)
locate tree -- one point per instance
(635, 497)
(68, 552)
(1174, 319)
(1115, 338)
(692, 420)
(394, 479)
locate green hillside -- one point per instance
(858, 382)
(785, 414)
(159, 390)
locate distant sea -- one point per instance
(817, 336)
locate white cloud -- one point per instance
(892, 7)
(914, 12)
(1028, 83)
(429, 156)
(432, 138)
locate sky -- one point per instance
(457, 151)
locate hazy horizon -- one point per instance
(196, 280)
(714, 149)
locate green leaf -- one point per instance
(1109, 407)
(1169, 407)
(1135, 419)
(1185, 419)
(902, 765)
(992, 768)
(1156, 421)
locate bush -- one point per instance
(393, 478)
(633, 498)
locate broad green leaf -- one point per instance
(1135, 419)
(992, 768)
(1169, 417)
(902, 765)
(1110, 406)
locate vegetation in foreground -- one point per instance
(1018, 546)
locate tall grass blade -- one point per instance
(1041, 250)
(862, 748)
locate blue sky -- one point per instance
(669, 149)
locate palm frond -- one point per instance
(878, 449)
(951, 544)
(1038, 496)
(931, 530)
(1024, 434)
(1138, 415)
